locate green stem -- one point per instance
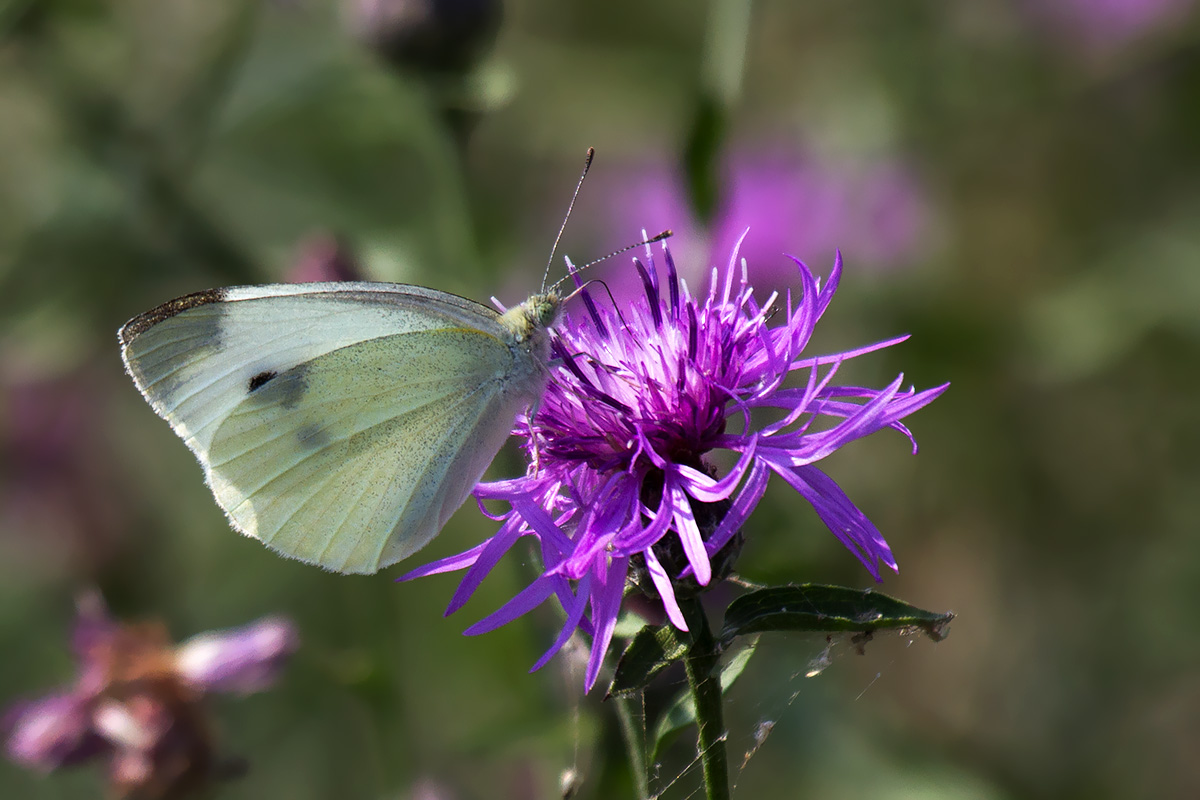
(635, 745)
(704, 680)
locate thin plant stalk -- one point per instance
(704, 682)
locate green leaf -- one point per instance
(817, 607)
(652, 650)
(682, 712)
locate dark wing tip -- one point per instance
(144, 322)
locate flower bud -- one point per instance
(435, 35)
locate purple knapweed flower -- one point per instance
(323, 257)
(791, 200)
(63, 509)
(797, 203)
(1106, 25)
(137, 701)
(621, 483)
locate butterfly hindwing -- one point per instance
(356, 458)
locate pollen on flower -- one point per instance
(626, 493)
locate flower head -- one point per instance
(64, 508)
(137, 701)
(622, 483)
(323, 257)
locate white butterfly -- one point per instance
(340, 423)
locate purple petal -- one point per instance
(662, 583)
(604, 518)
(846, 355)
(840, 515)
(449, 564)
(831, 285)
(707, 490)
(672, 280)
(521, 604)
(574, 609)
(244, 660)
(132, 727)
(52, 732)
(740, 510)
(537, 518)
(802, 401)
(607, 591)
(660, 523)
(689, 536)
(797, 449)
(731, 268)
(648, 285)
(493, 550)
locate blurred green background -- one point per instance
(1014, 183)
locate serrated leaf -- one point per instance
(653, 649)
(818, 607)
(682, 712)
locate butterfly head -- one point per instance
(533, 316)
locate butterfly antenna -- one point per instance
(664, 235)
(616, 306)
(587, 164)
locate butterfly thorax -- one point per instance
(531, 319)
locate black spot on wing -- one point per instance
(312, 437)
(285, 388)
(144, 322)
(261, 378)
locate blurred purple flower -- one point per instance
(622, 485)
(790, 204)
(323, 257)
(645, 196)
(243, 660)
(51, 732)
(1109, 24)
(798, 206)
(61, 504)
(137, 701)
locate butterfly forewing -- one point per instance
(341, 424)
(194, 358)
